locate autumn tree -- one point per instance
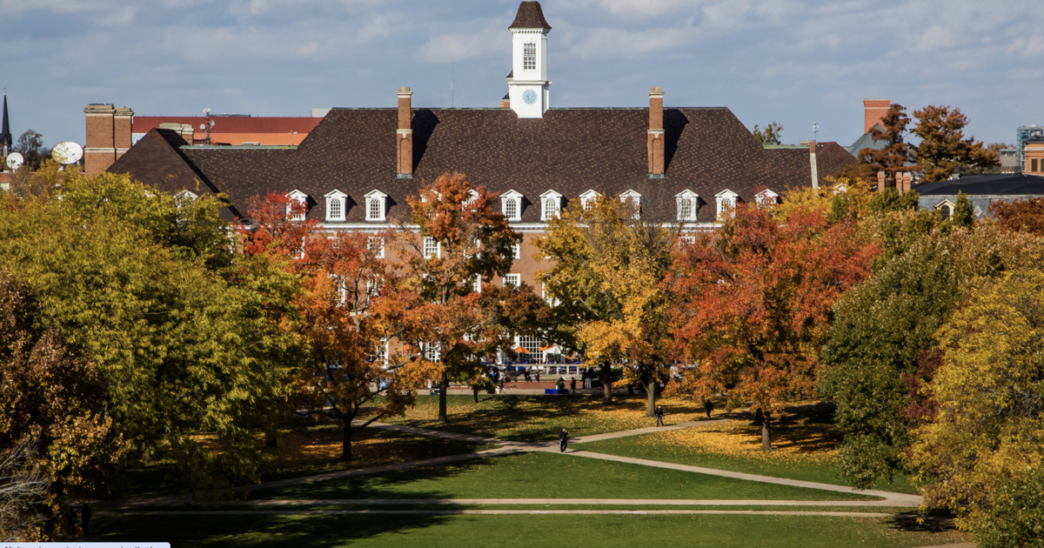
(30, 146)
(839, 198)
(943, 149)
(56, 439)
(893, 157)
(452, 247)
(345, 312)
(1025, 215)
(885, 328)
(183, 345)
(754, 301)
(770, 135)
(609, 260)
(984, 439)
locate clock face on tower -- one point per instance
(529, 97)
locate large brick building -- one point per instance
(356, 168)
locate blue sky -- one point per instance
(791, 61)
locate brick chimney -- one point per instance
(123, 119)
(874, 111)
(656, 167)
(404, 136)
(99, 151)
(880, 181)
(907, 182)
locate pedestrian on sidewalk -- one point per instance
(525, 374)
(502, 383)
(563, 438)
(537, 375)
(572, 386)
(560, 385)
(86, 514)
(659, 416)
(708, 406)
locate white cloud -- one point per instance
(935, 38)
(450, 48)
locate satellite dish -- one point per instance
(202, 127)
(206, 111)
(67, 152)
(15, 161)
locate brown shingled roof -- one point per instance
(530, 16)
(831, 159)
(569, 151)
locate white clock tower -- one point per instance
(528, 83)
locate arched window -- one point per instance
(511, 205)
(511, 208)
(551, 204)
(945, 209)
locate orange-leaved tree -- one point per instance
(753, 302)
(452, 247)
(345, 310)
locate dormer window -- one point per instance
(550, 205)
(588, 199)
(472, 196)
(529, 56)
(766, 198)
(945, 207)
(727, 200)
(335, 205)
(511, 205)
(633, 199)
(688, 202)
(375, 205)
(297, 214)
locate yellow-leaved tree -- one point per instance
(841, 197)
(984, 439)
(610, 259)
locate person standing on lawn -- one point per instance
(560, 385)
(659, 416)
(563, 438)
(708, 406)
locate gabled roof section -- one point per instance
(831, 159)
(530, 16)
(375, 194)
(334, 194)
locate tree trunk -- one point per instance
(651, 405)
(607, 384)
(346, 442)
(443, 386)
(766, 440)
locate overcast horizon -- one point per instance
(788, 61)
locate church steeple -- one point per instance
(5, 132)
(528, 83)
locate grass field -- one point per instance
(547, 475)
(802, 451)
(546, 531)
(539, 418)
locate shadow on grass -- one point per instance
(386, 485)
(313, 531)
(933, 522)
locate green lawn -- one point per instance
(545, 475)
(546, 531)
(650, 447)
(539, 418)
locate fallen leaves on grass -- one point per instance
(794, 442)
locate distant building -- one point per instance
(112, 131)
(981, 190)
(874, 111)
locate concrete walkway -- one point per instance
(545, 502)
(459, 511)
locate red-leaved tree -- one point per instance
(753, 302)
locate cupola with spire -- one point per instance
(528, 83)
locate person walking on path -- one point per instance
(708, 406)
(560, 385)
(572, 386)
(537, 375)
(563, 438)
(86, 515)
(659, 416)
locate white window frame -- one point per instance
(515, 198)
(472, 196)
(588, 198)
(693, 200)
(302, 199)
(529, 56)
(635, 199)
(477, 288)
(550, 205)
(434, 250)
(339, 198)
(375, 244)
(376, 201)
(726, 203)
(432, 352)
(512, 280)
(766, 198)
(516, 249)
